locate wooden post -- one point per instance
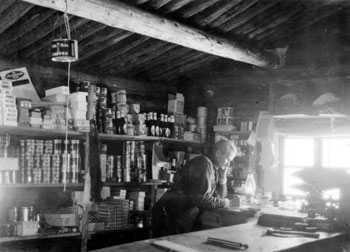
(87, 183)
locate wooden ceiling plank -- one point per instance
(79, 34)
(6, 4)
(161, 60)
(194, 63)
(89, 51)
(248, 14)
(316, 18)
(39, 32)
(214, 12)
(310, 11)
(195, 7)
(45, 42)
(172, 63)
(265, 13)
(134, 51)
(274, 22)
(114, 51)
(14, 33)
(225, 16)
(143, 59)
(120, 15)
(238, 9)
(119, 62)
(175, 5)
(158, 3)
(12, 14)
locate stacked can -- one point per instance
(127, 159)
(75, 160)
(141, 163)
(65, 169)
(46, 168)
(29, 157)
(56, 160)
(118, 172)
(101, 94)
(121, 101)
(110, 168)
(202, 114)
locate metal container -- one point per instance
(13, 214)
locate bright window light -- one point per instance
(292, 185)
(336, 153)
(298, 152)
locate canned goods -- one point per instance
(24, 214)
(13, 214)
(121, 96)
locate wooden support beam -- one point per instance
(123, 16)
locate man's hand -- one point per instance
(222, 172)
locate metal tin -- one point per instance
(13, 214)
(24, 214)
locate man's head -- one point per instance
(224, 151)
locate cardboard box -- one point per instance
(9, 164)
(224, 121)
(191, 136)
(176, 106)
(224, 128)
(62, 220)
(26, 228)
(56, 98)
(62, 90)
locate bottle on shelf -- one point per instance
(117, 123)
(123, 126)
(156, 124)
(172, 127)
(161, 125)
(166, 126)
(151, 125)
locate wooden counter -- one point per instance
(247, 233)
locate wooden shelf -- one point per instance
(108, 137)
(133, 183)
(38, 132)
(38, 236)
(3, 186)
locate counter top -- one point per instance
(247, 233)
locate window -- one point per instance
(313, 159)
(336, 152)
(298, 155)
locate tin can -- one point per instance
(121, 96)
(24, 214)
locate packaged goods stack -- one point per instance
(23, 108)
(202, 114)
(9, 168)
(131, 167)
(176, 105)
(78, 107)
(8, 110)
(118, 194)
(42, 161)
(107, 214)
(224, 123)
(55, 115)
(139, 200)
(101, 110)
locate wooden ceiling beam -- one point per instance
(158, 3)
(123, 16)
(19, 31)
(13, 13)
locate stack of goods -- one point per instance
(42, 161)
(78, 107)
(101, 110)
(9, 161)
(8, 111)
(118, 194)
(176, 105)
(224, 123)
(115, 213)
(36, 118)
(202, 114)
(139, 200)
(55, 116)
(23, 108)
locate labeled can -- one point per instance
(24, 214)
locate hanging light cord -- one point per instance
(66, 23)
